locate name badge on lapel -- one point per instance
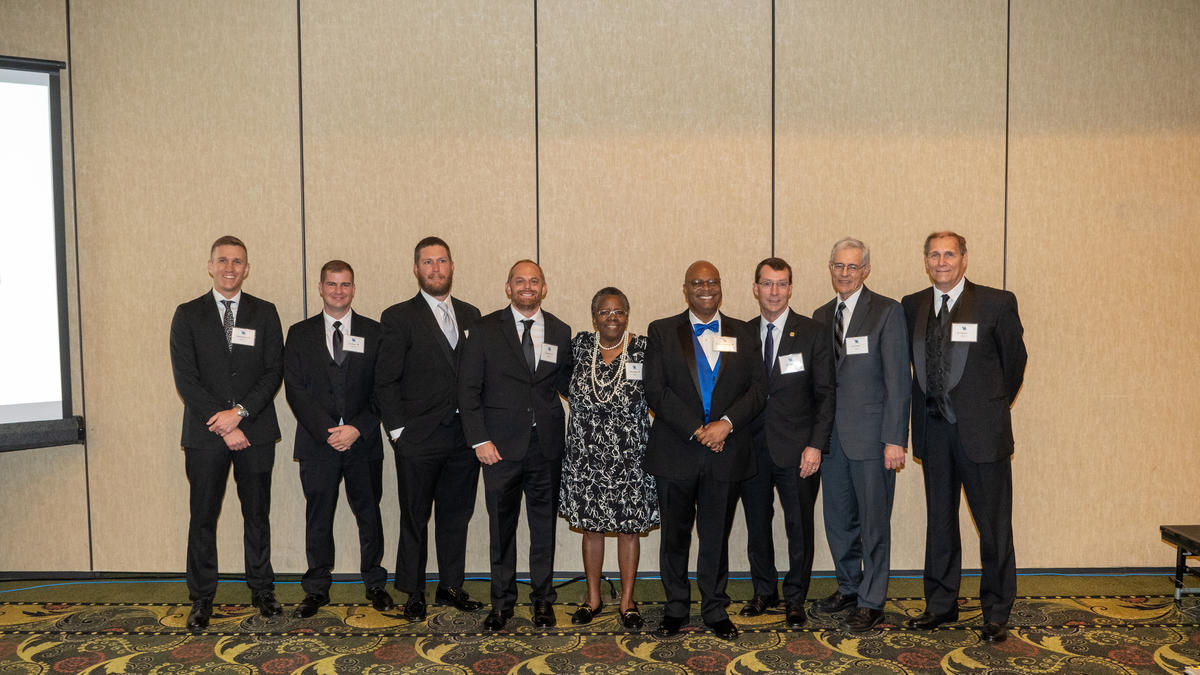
(354, 343)
(242, 336)
(857, 345)
(725, 343)
(633, 371)
(549, 353)
(791, 363)
(963, 332)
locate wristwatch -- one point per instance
(241, 410)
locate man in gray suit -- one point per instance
(870, 431)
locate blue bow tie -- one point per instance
(699, 328)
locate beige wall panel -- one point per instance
(890, 124)
(655, 150)
(418, 120)
(34, 29)
(187, 130)
(1105, 160)
(43, 496)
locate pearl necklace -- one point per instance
(597, 385)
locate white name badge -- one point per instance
(857, 345)
(724, 343)
(354, 343)
(964, 332)
(549, 353)
(633, 371)
(243, 336)
(791, 363)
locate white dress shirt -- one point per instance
(953, 293)
(237, 302)
(708, 339)
(779, 322)
(851, 303)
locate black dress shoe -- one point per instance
(724, 629)
(927, 621)
(861, 620)
(414, 609)
(380, 599)
(496, 619)
(759, 604)
(795, 615)
(266, 604)
(585, 614)
(670, 625)
(543, 614)
(458, 598)
(200, 614)
(836, 603)
(310, 604)
(632, 618)
(993, 632)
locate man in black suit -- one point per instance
(968, 358)
(704, 382)
(870, 432)
(329, 378)
(515, 363)
(417, 386)
(790, 435)
(227, 359)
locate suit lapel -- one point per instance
(920, 321)
(964, 312)
(430, 323)
(687, 348)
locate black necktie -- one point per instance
(769, 348)
(228, 320)
(338, 354)
(944, 312)
(839, 338)
(527, 344)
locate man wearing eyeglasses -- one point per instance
(703, 379)
(968, 356)
(870, 432)
(790, 436)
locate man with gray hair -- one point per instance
(870, 431)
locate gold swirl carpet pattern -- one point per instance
(1132, 634)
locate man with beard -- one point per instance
(416, 383)
(703, 379)
(514, 365)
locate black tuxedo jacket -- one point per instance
(210, 378)
(800, 405)
(308, 383)
(673, 392)
(416, 379)
(500, 399)
(985, 375)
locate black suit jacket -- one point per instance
(500, 399)
(308, 383)
(416, 379)
(800, 405)
(985, 375)
(673, 392)
(210, 378)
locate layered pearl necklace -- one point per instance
(599, 386)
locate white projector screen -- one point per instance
(32, 343)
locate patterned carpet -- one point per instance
(1050, 635)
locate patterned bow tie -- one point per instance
(699, 328)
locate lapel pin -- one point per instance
(791, 333)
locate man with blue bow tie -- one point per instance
(704, 381)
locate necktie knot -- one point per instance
(337, 325)
(699, 328)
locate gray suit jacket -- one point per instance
(873, 389)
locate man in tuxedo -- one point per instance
(704, 381)
(329, 378)
(227, 359)
(790, 435)
(417, 386)
(870, 433)
(515, 363)
(968, 356)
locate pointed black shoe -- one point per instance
(724, 629)
(310, 604)
(201, 612)
(836, 603)
(670, 625)
(457, 598)
(266, 604)
(585, 614)
(380, 599)
(861, 620)
(496, 619)
(759, 604)
(414, 609)
(993, 632)
(796, 617)
(543, 614)
(927, 621)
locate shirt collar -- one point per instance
(696, 320)
(954, 293)
(434, 302)
(778, 322)
(519, 317)
(345, 321)
(237, 298)
(851, 302)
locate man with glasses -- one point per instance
(789, 438)
(703, 380)
(870, 432)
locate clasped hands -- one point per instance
(713, 434)
(225, 424)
